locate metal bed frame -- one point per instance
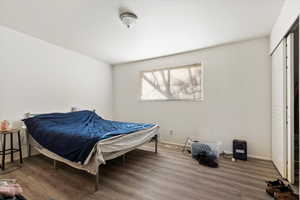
(97, 177)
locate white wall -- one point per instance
(237, 84)
(288, 15)
(37, 77)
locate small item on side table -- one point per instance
(12, 150)
(4, 125)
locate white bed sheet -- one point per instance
(104, 150)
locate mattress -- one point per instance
(104, 150)
(73, 135)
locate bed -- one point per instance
(112, 144)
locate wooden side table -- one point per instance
(12, 150)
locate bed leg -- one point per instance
(97, 179)
(123, 159)
(54, 164)
(28, 145)
(156, 141)
(29, 150)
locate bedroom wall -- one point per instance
(237, 97)
(38, 77)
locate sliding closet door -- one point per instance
(279, 108)
(290, 107)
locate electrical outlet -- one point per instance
(171, 132)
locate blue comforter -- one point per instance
(73, 135)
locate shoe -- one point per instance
(271, 190)
(289, 195)
(278, 182)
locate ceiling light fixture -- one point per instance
(128, 19)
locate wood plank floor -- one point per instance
(170, 175)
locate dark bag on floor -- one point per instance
(207, 159)
(204, 154)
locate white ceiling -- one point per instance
(165, 27)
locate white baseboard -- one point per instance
(259, 157)
(171, 143)
(249, 155)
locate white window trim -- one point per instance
(170, 68)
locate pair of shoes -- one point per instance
(280, 191)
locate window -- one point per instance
(176, 83)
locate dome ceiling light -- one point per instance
(128, 19)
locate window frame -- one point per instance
(141, 73)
